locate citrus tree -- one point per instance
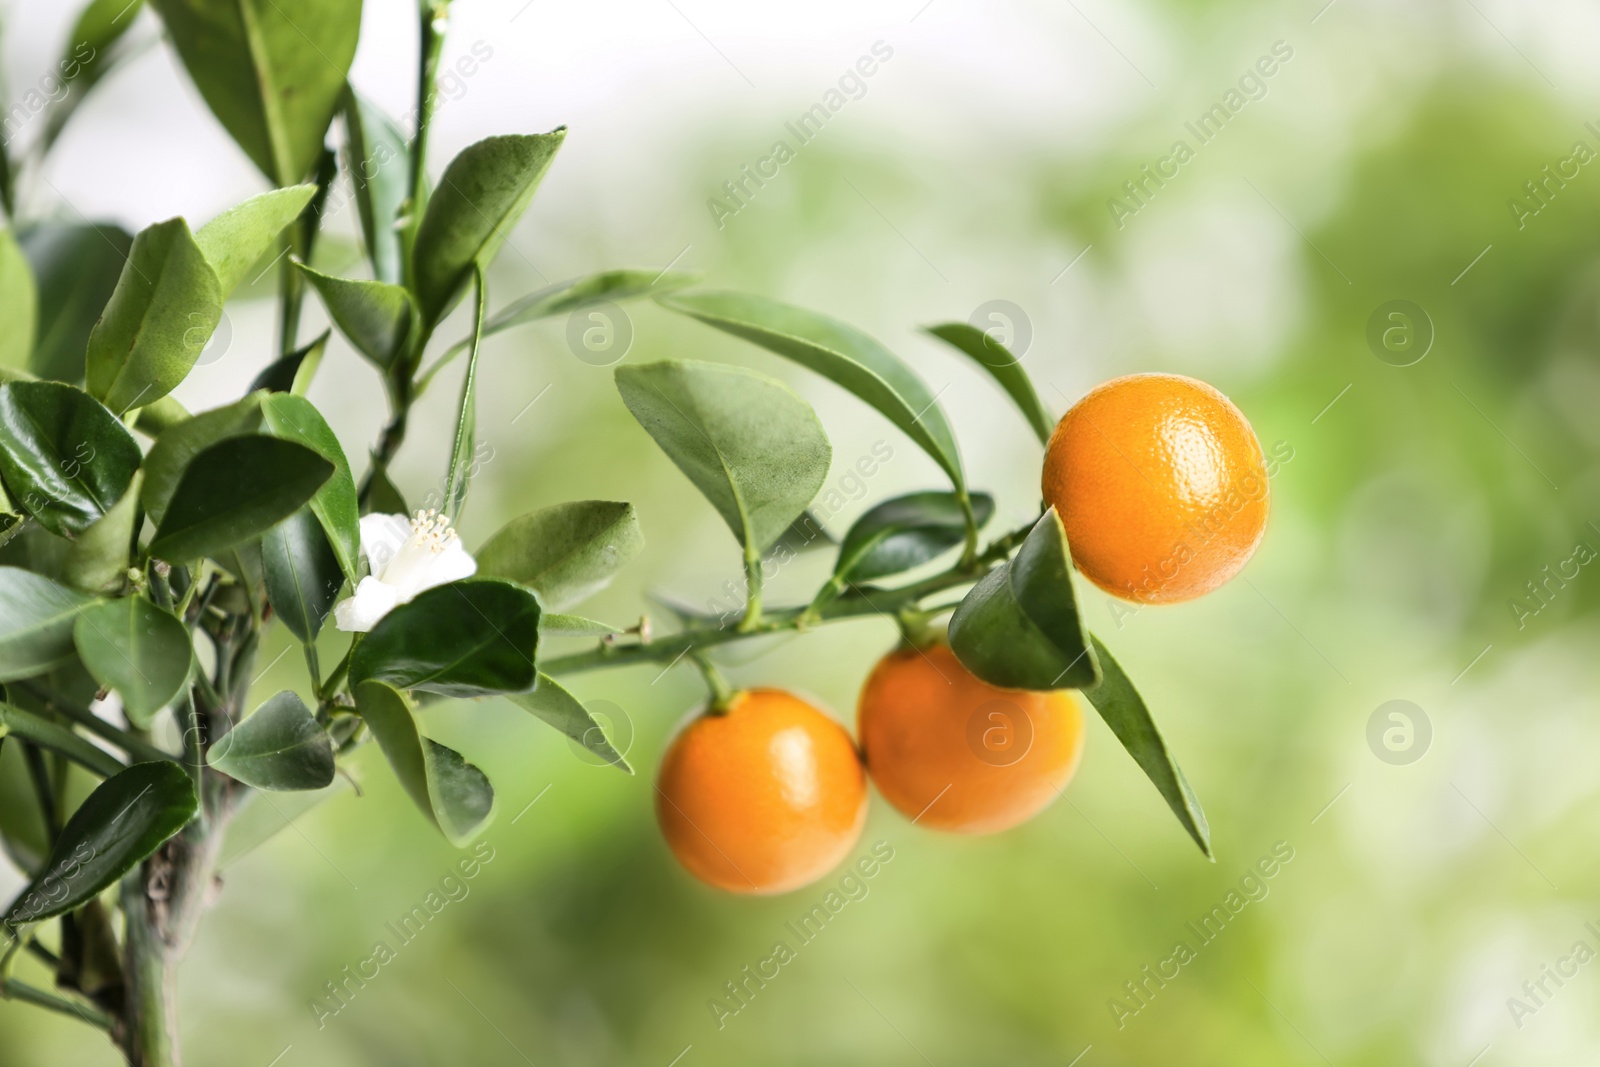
(148, 549)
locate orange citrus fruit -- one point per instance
(1161, 485)
(763, 797)
(956, 753)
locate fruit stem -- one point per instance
(916, 630)
(722, 693)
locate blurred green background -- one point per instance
(1379, 163)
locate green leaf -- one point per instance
(121, 823)
(746, 441)
(279, 747)
(906, 532)
(36, 617)
(1019, 627)
(158, 319)
(566, 552)
(76, 268)
(459, 477)
(379, 163)
(294, 418)
(48, 734)
(559, 708)
(302, 573)
(1124, 710)
(554, 625)
(293, 373)
(1004, 367)
(90, 53)
(98, 561)
(451, 792)
(464, 639)
(137, 649)
(378, 318)
(65, 459)
(18, 303)
(235, 240)
(483, 192)
(272, 71)
(179, 444)
(235, 490)
(837, 351)
(566, 297)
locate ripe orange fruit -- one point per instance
(1161, 485)
(762, 798)
(956, 753)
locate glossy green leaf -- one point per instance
(481, 195)
(234, 242)
(179, 444)
(378, 318)
(552, 624)
(235, 490)
(1124, 710)
(566, 713)
(76, 267)
(90, 53)
(464, 639)
(302, 573)
(294, 418)
(451, 792)
(123, 821)
(837, 351)
(18, 303)
(279, 747)
(36, 617)
(65, 459)
(746, 441)
(1019, 627)
(98, 561)
(137, 649)
(906, 532)
(52, 735)
(272, 71)
(378, 160)
(158, 320)
(566, 552)
(1004, 367)
(293, 373)
(566, 297)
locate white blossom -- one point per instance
(406, 556)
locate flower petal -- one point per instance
(452, 564)
(381, 538)
(361, 612)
